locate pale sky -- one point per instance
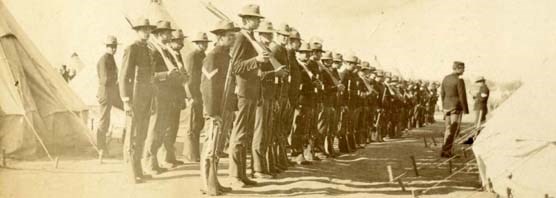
(499, 39)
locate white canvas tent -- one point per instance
(35, 101)
(75, 62)
(516, 152)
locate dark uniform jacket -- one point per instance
(294, 77)
(453, 94)
(167, 92)
(330, 90)
(281, 54)
(245, 67)
(481, 99)
(350, 97)
(193, 65)
(108, 81)
(136, 72)
(213, 80)
(307, 89)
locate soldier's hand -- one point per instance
(128, 109)
(341, 87)
(173, 73)
(218, 120)
(281, 71)
(263, 58)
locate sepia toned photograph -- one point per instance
(277, 98)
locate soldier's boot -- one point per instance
(351, 142)
(101, 144)
(329, 146)
(281, 156)
(244, 178)
(209, 176)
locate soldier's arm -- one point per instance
(127, 74)
(161, 74)
(240, 64)
(102, 71)
(462, 95)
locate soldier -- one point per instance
(349, 100)
(304, 109)
(454, 102)
(67, 73)
(366, 94)
(245, 65)
(380, 120)
(166, 76)
(176, 44)
(108, 94)
(263, 157)
(326, 126)
(214, 74)
(316, 141)
(194, 63)
(281, 118)
(481, 101)
(294, 80)
(136, 92)
(432, 102)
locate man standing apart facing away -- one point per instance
(136, 91)
(245, 63)
(194, 63)
(108, 94)
(213, 80)
(454, 102)
(179, 94)
(481, 101)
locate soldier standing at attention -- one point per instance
(294, 81)
(245, 63)
(454, 102)
(193, 64)
(326, 126)
(136, 91)
(281, 119)
(263, 157)
(108, 94)
(176, 44)
(481, 101)
(213, 80)
(166, 76)
(304, 113)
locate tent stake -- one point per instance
(433, 141)
(415, 193)
(414, 166)
(390, 174)
(401, 184)
(4, 158)
(450, 166)
(56, 162)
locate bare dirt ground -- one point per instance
(361, 174)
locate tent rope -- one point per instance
(29, 121)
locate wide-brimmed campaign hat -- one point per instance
(111, 40)
(265, 27)
(316, 46)
(304, 47)
(351, 59)
(224, 26)
(480, 79)
(200, 37)
(283, 29)
(251, 10)
(142, 22)
(294, 34)
(337, 57)
(326, 56)
(163, 26)
(178, 35)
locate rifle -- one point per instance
(259, 47)
(334, 79)
(226, 113)
(367, 85)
